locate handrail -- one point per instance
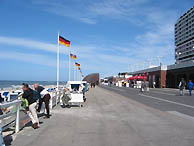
(8, 104)
(56, 97)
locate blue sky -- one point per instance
(108, 36)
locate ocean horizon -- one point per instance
(17, 83)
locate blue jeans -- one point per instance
(190, 90)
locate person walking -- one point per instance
(28, 94)
(45, 97)
(190, 85)
(91, 84)
(154, 84)
(142, 89)
(182, 85)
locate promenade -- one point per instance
(109, 119)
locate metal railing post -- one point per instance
(17, 122)
(56, 94)
(51, 101)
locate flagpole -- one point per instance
(74, 71)
(76, 74)
(69, 66)
(58, 62)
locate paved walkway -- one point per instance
(109, 119)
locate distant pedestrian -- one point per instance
(147, 85)
(45, 97)
(154, 84)
(190, 85)
(143, 86)
(29, 94)
(91, 84)
(182, 85)
(94, 85)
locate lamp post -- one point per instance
(150, 62)
(159, 60)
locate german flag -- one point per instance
(64, 42)
(71, 56)
(77, 64)
(74, 57)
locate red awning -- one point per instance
(137, 77)
(130, 78)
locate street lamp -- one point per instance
(149, 62)
(159, 60)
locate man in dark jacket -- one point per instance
(31, 110)
(1, 100)
(45, 97)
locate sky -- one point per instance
(108, 36)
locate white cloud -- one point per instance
(154, 39)
(89, 12)
(31, 44)
(88, 20)
(116, 8)
(31, 58)
(157, 22)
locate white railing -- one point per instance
(55, 98)
(15, 103)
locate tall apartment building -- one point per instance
(184, 37)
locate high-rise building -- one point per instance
(184, 37)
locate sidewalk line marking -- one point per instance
(115, 88)
(168, 89)
(181, 115)
(162, 93)
(181, 104)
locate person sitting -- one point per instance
(75, 90)
(81, 87)
(31, 109)
(66, 97)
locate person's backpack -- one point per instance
(36, 95)
(183, 84)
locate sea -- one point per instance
(6, 84)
